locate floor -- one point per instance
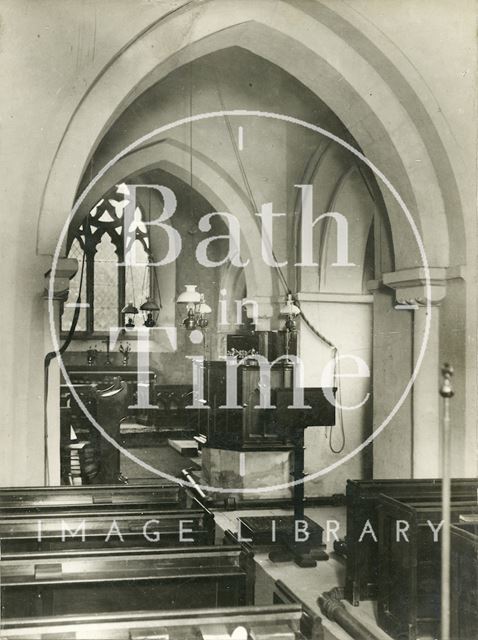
(307, 584)
(161, 457)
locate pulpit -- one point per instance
(245, 427)
(250, 446)
(318, 410)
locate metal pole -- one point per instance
(299, 474)
(446, 391)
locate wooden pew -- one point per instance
(107, 581)
(287, 622)
(312, 623)
(92, 498)
(464, 581)
(111, 528)
(362, 501)
(410, 567)
(61, 518)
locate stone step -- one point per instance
(184, 447)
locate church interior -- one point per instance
(239, 260)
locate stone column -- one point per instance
(65, 270)
(411, 295)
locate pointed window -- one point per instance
(107, 284)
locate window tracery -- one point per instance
(107, 283)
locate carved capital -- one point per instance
(66, 268)
(410, 285)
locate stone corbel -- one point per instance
(410, 285)
(65, 270)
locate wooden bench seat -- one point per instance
(33, 499)
(464, 581)
(287, 622)
(76, 529)
(410, 567)
(106, 581)
(362, 501)
(62, 518)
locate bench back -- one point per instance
(106, 581)
(289, 622)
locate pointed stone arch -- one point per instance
(308, 49)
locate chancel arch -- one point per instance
(394, 150)
(355, 72)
